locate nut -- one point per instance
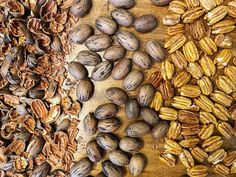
(171, 19)
(160, 130)
(204, 103)
(88, 58)
(221, 169)
(181, 79)
(98, 43)
(94, 152)
(191, 91)
(82, 167)
(150, 116)
(190, 51)
(221, 112)
(130, 145)
(119, 158)
(132, 109)
(186, 159)
(192, 14)
(133, 80)
(106, 25)
(226, 129)
(110, 169)
(199, 154)
(179, 60)
(116, 95)
(197, 29)
(206, 85)
(122, 17)
(195, 70)
(212, 144)
(157, 101)
(155, 79)
(121, 69)
(223, 41)
(192, 3)
(175, 29)
(181, 102)
(175, 42)
(230, 72)
(155, 50)
(188, 117)
(231, 8)
(167, 70)
(206, 118)
(125, 4)
(207, 66)
(142, 60)
(177, 7)
(189, 129)
(114, 53)
(145, 23)
(109, 125)
(174, 130)
(105, 111)
(223, 27)
(209, 5)
(168, 114)
(230, 158)
(222, 98)
(232, 110)
(223, 58)
(172, 147)
(127, 40)
(225, 84)
(217, 156)
(167, 159)
(197, 170)
(85, 90)
(206, 131)
(137, 129)
(167, 90)
(216, 14)
(190, 142)
(145, 95)
(107, 141)
(208, 45)
(102, 71)
(137, 164)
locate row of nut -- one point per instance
(198, 91)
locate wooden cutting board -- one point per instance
(152, 148)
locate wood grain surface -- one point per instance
(152, 148)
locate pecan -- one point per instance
(223, 27)
(221, 98)
(226, 129)
(181, 102)
(212, 144)
(174, 130)
(197, 170)
(190, 142)
(206, 131)
(206, 85)
(221, 169)
(186, 159)
(177, 7)
(204, 103)
(215, 15)
(208, 45)
(39, 109)
(167, 159)
(197, 29)
(225, 84)
(199, 154)
(167, 70)
(231, 8)
(172, 147)
(167, 90)
(175, 42)
(157, 101)
(168, 113)
(217, 156)
(179, 59)
(230, 158)
(230, 72)
(190, 51)
(155, 79)
(195, 70)
(192, 14)
(221, 112)
(181, 79)
(176, 29)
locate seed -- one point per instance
(145, 95)
(106, 25)
(110, 169)
(105, 111)
(142, 60)
(90, 124)
(94, 152)
(130, 145)
(81, 168)
(137, 164)
(81, 33)
(77, 70)
(102, 71)
(150, 116)
(137, 129)
(133, 80)
(119, 158)
(88, 58)
(155, 50)
(125, 4)
(127, 40)
(116, 95)
(109, 125)
(85, 90)
(114, 53)
(122, 17)
(145, 23)
(121, 69)
(107, 141)
(160, 130)
(132, 109)
(98, 43)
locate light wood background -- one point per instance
(152, 147)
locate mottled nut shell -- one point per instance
(81, 33)
(98, 43)
(161, 2)
(94, 152)
(88, 58)
(122, 17)
(85, 90)
(110, 169)
(132, 109)
(133, 80)
(81, 9)
(155, 50)
(145, 23)
(119, 158)
(106, 25)
(107, 141)
(90, 124)
(121, 69)
(137, 129)
(137, 164)
(105, 111)
(109, 125)
(145, 95)
(142, 60)
(128, 40)
(125, 4)
(114, 53)
(130, 145)
(160, 130)
(116, 95)
(102, 71)
(150, 116)
(77, 70)
(80, 168)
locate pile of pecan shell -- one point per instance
(197, 95)
(34, 41)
